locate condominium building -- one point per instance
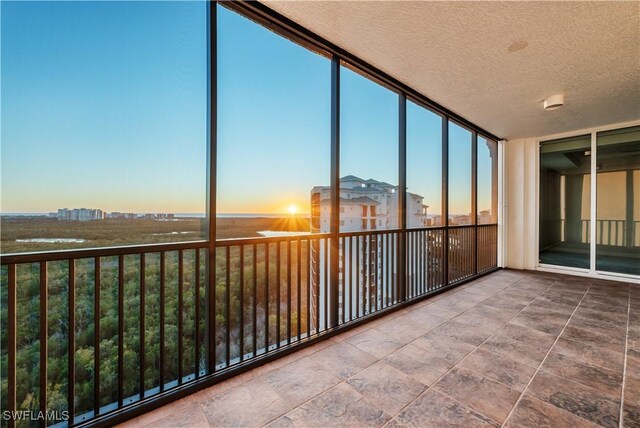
(78, 214)
(365, 206)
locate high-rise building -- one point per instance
(365, 205)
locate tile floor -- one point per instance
(516, 349)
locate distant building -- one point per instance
(88, 214)
(78, 214)
(365, 205)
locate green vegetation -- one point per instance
(226, 319)
(119, 232)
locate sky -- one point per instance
(104, 105)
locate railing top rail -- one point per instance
(262, 240)
(82, 253)
(7, 259)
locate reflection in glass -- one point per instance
(424, 167)
(487, 192)
(618, 201)
(565, 192)
(368, 154)
(273, 131)
(460, 168)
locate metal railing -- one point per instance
(104, 334)
(613, 232)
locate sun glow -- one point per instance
(293, 209)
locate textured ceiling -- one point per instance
(456, 53)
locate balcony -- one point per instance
(512, 348)
(320, 213)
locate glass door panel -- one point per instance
(618, 201)
(565, 202)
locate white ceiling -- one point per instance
(456, 53)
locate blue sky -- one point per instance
(104, 105)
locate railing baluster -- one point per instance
(143, 292)
(266, 297)
(180, 315)
(326, 283)
(376, 276)
(380, 270)
(44, 333)
(289, 291)
(71, 340)
(299, 281)
(120, 329)
(358, 274)
(350, 240)
(317, 286)
(342, 277)
(278, 291)
(96, 339)
(196, 346)
(241, 308)
(12, 310)
(255, 300)
(162, 314)
(227, 309)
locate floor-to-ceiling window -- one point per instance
(272, 181)
(486, 203)
(461, 214)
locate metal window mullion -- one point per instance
(335, 189)
(445, 199)
(211, 191)
(474, 197)
(593, 212)
(402, 196)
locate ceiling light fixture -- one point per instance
(554, 102)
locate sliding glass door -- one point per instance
(618, 201)
(568, 234)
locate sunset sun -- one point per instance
(293, 209)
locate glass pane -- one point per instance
(104, 130)
(368, 154)
(424, 167)
(460, 169)
(487, 181)
(273, 130)
(618, 206)
(565, 201)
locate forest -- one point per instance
(191, 266)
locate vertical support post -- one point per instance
(628, 228)
(334, 254)
(402, 197)
(593, 212)
(474, 197)
(211, 190)
(445, 198)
